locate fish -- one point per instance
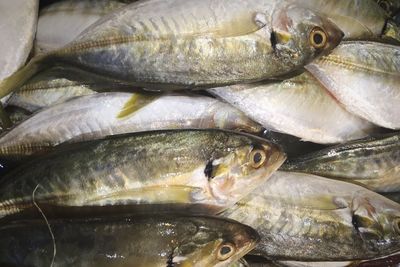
(395, 196)
(391, 33)
(397, 18)
(127, 240)
(391, 7)
(299, 106)
(391, 260)
(99, 115)
(256, 261)
(17, 114)
(293, 146)
(187, 44)
(18, 21)
(202, 171)
(358, 19)
(373, 162)
(359, 73)
(61, 22)
(59, 84)
(303, 217)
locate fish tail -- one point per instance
(19, 78)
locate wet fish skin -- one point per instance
(373, 162)
(358, 19)
(127, 241)
(18, 20)
(359, 73)
(299, 106)
(58, 84)
(96, 116)
(62, 21)
(303, 217)
(17, 114)
(210, 168)
(176, 48)
(391, 260)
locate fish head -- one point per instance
(377, 221)
(300, 35)
(244, 164)
(215, 242)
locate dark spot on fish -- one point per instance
(170, 262)
(355, 220)
(273, 40)
(208, 170)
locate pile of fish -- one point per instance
(200, 133)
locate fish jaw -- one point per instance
(243, 185)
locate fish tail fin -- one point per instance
(19, 78)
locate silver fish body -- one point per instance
(391, 260)
(372, 162)
(304, 217)
(127, 241)
(181, 44)
(96, 116)
(202, 170)
(62, 21)
(299, 106)
(18, 21)
(58, 84)
(358, 19)
(364, 76)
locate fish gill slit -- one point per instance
(273, 40)
(208, 170)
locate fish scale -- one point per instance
(304, 217)
(83, 119)
(110, 241)
(238, 44)
(127, 169)
(299, 106)
(372, 162)
(358, 73)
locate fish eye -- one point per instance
(257, 158)
(385, 5)
(226, 251)
(318, 38)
